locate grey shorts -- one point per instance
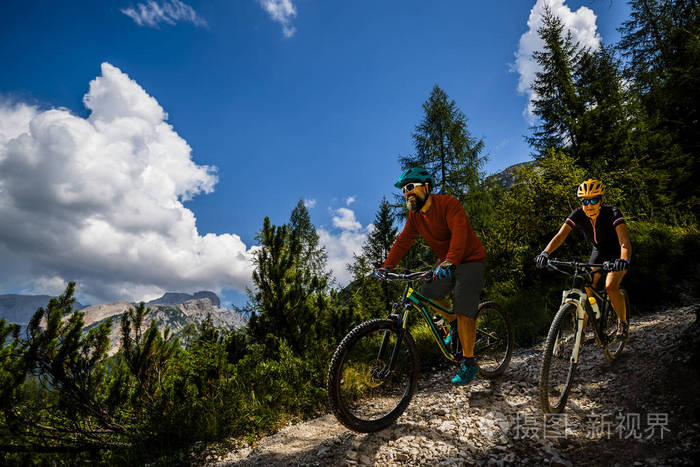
(466, 283)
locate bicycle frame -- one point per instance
(579, 298)
(412, 299)
(419, 301)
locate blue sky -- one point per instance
(208, 116)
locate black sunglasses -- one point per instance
(592, 201)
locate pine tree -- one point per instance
(604, 128)
(313, 256)
(661, 42)
(445, 147)
(289, 298)
(587, 109)
(615, 139)
(66, 411)
(556, 103)
(382, 237)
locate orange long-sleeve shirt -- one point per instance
(446, 230)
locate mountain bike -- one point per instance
(374, 371)
(566, 333)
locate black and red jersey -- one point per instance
(602, 234)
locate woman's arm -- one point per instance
(558, 239)
(624, 239)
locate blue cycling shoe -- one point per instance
(466, 374)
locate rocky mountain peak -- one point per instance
(175, 298)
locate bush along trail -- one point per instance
(641, 409)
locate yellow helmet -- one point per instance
(591, 188)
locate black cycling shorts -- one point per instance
(467, 283)
(600, 256)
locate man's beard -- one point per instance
(415, 203)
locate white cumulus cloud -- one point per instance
(98, 200)
(170, 12)
(281, 11)
(342, 241)
(309, 203)
(581, 23)
(345, 220)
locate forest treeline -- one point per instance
(626, 114)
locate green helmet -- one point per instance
(414, 174)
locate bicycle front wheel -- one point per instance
(493, 347)
(365, 390)
(557, 371)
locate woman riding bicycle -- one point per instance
(605, 228)
(443, 224)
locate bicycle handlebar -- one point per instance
(409, 277)
(601, 268)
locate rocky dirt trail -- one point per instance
(642, 409)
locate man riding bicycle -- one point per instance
(443, 224)
(605, 228)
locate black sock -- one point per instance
(469, 361)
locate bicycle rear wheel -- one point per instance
(363, 394)
(557, 370)
(614, 349)
(493, 348)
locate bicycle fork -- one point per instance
(580, 318)
(395, 351)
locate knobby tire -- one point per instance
(506, 334)
(342, 404)
(548, 359)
